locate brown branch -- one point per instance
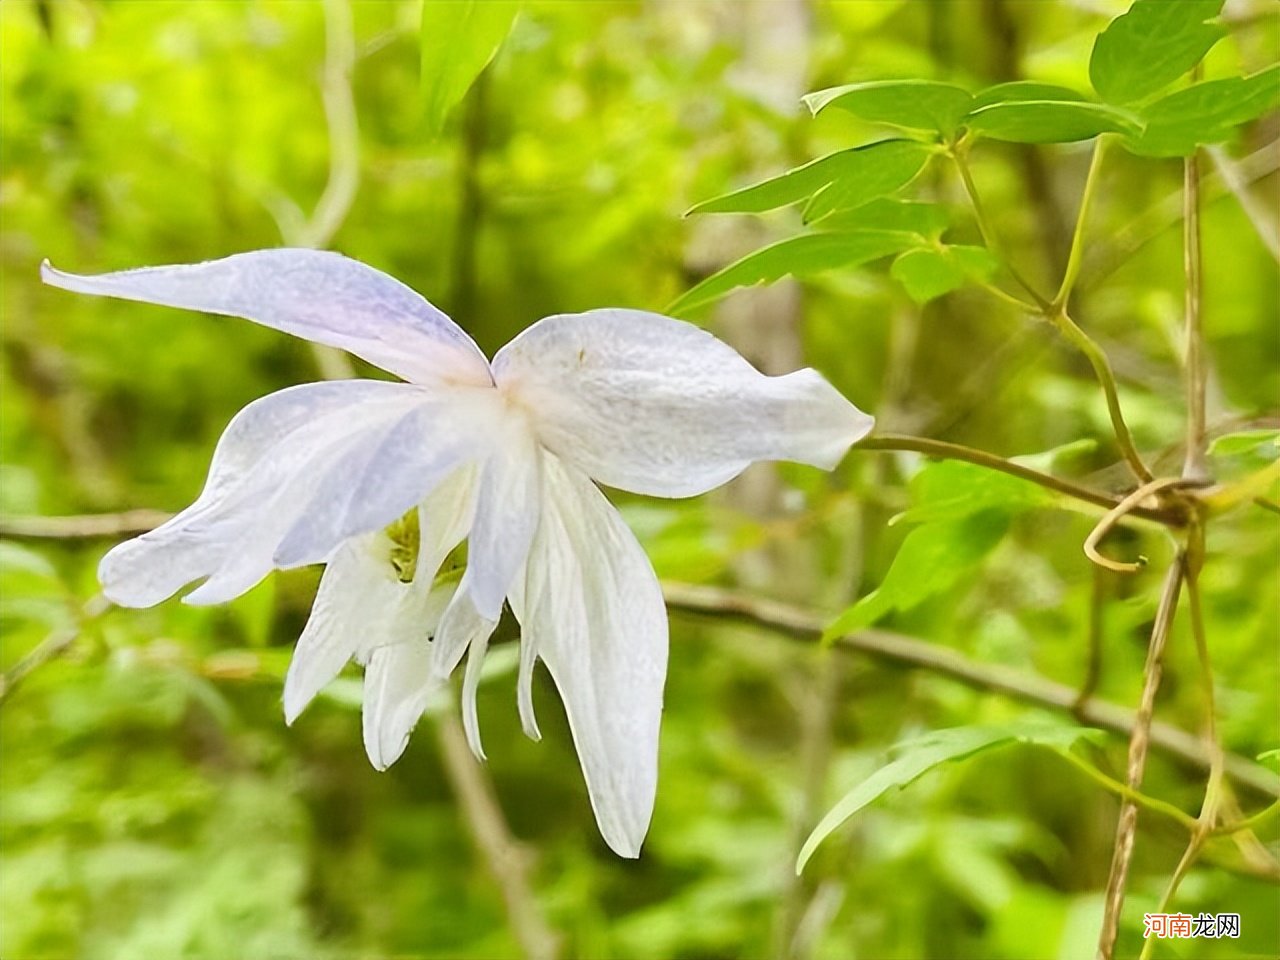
(1139, 743)
(896, 648)
(507, 860)
(1195, 466)
(954, 451)
(92, 526)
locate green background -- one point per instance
(152, 802)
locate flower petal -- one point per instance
(507, 504)
(592, 606)
(314, 294)
(654, 405)
(361, 604)
(272, 479)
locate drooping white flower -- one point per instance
(505, 455)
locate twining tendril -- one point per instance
(1118, 513)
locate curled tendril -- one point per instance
(1118, 513)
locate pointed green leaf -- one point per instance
(928, 272)
(1050, 121)
(1152, 45)
(1205, 113)
(798, 256)
(1246, 441)
(868, 171)
(945, 491)
(886, 170)
(458, 39)
(932, 558)
(917, 757)
(1020, 90)
(929, 220)
(911, 104)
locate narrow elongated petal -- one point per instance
(271, 480)
(506, 516)
(654, 405)
(319, 296)
(362, 606)
(592, 606)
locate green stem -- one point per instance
(1076, 257)
(1136, 797)
(954, 451)
(1102, 369)
(984, 226)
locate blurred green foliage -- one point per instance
(152, 802)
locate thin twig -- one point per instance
(1195, 466)
(1262, 219)
(954, 451)
(985, 229)
(91, 526)
(1139, 742)
(507, 860)
(897, 648)
(52, 647)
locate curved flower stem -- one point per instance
(1106, 378)
(954, 451)
(1139, 743)
(1076, 257)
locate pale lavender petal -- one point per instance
(654, 405)
(314, 294)
(592, 606)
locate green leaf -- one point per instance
(798, 256)
(1205, 113)
(918, 756)
(1151, 46)
(911, 104)
(932, 558)
(458, 39)
(928, 273)
(1050, 121)
(1246, 441)
(1018, 91)
(869, 171)
(929, 220)
(878, 173)
(950, 490)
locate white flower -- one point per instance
(502, 454)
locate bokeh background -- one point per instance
(152, 801)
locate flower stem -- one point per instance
(1102, 369)
(954, 451)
